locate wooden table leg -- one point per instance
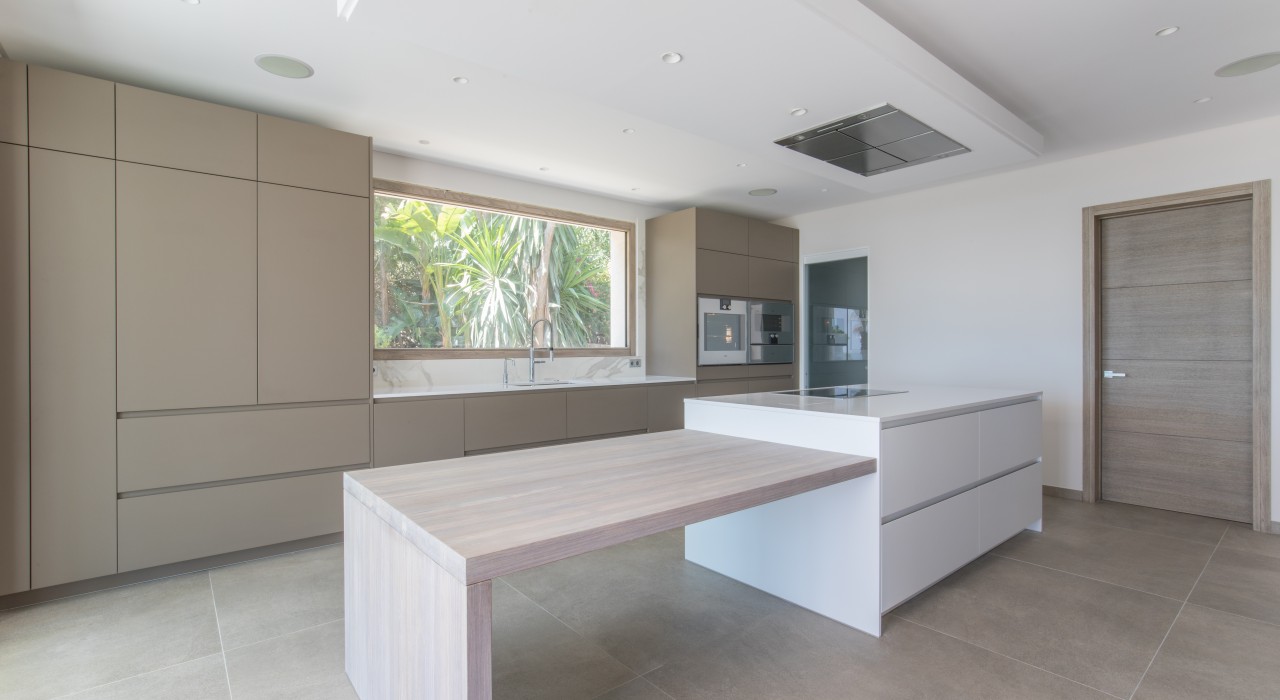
(412, 629)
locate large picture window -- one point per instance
(453, 277)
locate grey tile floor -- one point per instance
(1110, 601)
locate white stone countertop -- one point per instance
(916, 404)
(411, 393)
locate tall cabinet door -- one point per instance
(73, 426)
(313, 295)
(187, 264)
(15, 378)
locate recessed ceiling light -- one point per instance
(424, 142)
(824, 189)
(763, 192)
(1252, 64)
(799, 112)
(544, 168)
(192, 2)
(628, 131)
(1201, 100)
(635, 189)
(672, 57)
(742, 165)
(1166, 31)
(284, 66)
(461, 80)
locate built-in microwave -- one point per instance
(722, 331)
(772, 332)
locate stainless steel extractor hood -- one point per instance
(873, 142)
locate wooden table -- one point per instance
(425, 541)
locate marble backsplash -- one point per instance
(399, 375)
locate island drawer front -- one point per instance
(172, 527)
(178, 450)
(1010, 437)
(1009, 504)
(919, 549)
(607, 411)
(922, 461)
(502, 421)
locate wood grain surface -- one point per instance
(1209, 321)
(1190, 399)
(485, 516)
(1209, 243)
(1190, 475)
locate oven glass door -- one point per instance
(722, 331)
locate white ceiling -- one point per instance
(552, 83)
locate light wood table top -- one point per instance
(485, 516)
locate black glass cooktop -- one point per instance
(842, 392)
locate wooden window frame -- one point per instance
(406, 189)
(1259, 193)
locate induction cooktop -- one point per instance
(842, 392)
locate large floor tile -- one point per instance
(266, 598)
(305, 665)
(1243, 583)
(798, 654)
(202, 679)
(638, 689)
(535, 657)
(1153, 520)
(1092, 632)
(78, 643)
(1243, 539)
(1211, 654)
(1157, 564)
(643, 603)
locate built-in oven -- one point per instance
(772, 338)
(722, 331)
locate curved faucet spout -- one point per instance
(533, 345)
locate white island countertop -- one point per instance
(411, 393)
(915, 404)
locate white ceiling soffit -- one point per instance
(553, 83)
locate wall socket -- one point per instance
(635, 362)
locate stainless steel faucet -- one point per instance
(533, 345)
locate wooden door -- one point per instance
(1176, 304)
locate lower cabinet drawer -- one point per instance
(606, 411)
(666, 406)
(513, 419)
(408, 432)
(703, 389)
(919, 549)
(1010, 504)
(181, 525)
(166, 451)
(771, 384)
(922, 461)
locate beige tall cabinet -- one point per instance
(195, 283)
(705, 252)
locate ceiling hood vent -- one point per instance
(874, 142)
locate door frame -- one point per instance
(1259, 193)
(802, 348)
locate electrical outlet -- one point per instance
(635, 362)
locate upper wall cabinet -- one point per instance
(717, 230)
(178, 132)
(186, 291)
(72, 113)
(304, 155)
(13, 102)
(313, 295)
(766, 240)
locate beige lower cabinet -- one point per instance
(408, 432)
(157, 452)
(723, 388)
(666, 406)
(186, 261)
(184, 525)
(73, 346)
(606, 411)
(771, 384)
(15, 371)
(513, 419)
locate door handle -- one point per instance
(1108, 374)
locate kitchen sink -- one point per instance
(543, 382)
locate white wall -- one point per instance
(980, 282)
(407, 373)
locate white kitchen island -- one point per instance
(959, 473)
